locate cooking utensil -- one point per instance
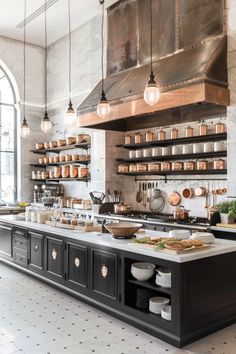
(144, 194)
(180, 213)
(95, 199)
(122, 208)
(188, 193)
(139, 194)
(157, 201)
(200, 191)
(174, 198)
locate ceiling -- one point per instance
(12, 14)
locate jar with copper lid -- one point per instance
(132, 168)
(219, 164)
(45, 174)
(68, 157)
(137, 138)
(56, 159)
(188, 132)
(202, 165)
(220, 128)
(52, 144)
(41, 160)
(46, 145)
(51, 159)
(165, 166)
(161, 135)
(61, 142)
(83, 172)
(128, 139)
(70, 140)
(62, 158)
(189, 165)
(76, 157)
(65, 171)
(176, 166)
(149, 136)
(79, 138)
(51, 173)
(57, 172)
(123, 168)
(142, 167)
(174, 133)
(73, 171)
(46, 159)
(203, 129)
(154, 167)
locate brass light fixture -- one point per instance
(103, 108)
(46, 124)
(151, 93)
(24, 129)
(70, 113)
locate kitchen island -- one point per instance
(96, 268)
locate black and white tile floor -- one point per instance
(37, 319)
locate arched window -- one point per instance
(8, 138)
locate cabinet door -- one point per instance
(5, 241)
(55, 258)
(76, 263)
(20, 246)
(36, 252)
(104, 273)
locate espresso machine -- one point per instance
(48, 194)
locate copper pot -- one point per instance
(41, 160)
(68, 157)
(188, 193)
(174, 198)
(200, 191)
(122, 208)
(46, 159)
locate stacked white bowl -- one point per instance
(142, 271)
(156, 303)
(163, 277)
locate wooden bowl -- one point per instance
(123, 230)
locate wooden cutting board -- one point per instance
(229, 226)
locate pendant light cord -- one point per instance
(46, 55)
(69, 24)
(150, 4)
(102, 41)
(24, 61)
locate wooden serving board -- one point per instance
(229, 226)
(166, 250)
(86, 228)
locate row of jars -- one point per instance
(174, 133)
(179, 149)
(63, 158)
(78, 139)
(66, 171)
(173, 166)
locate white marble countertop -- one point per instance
(101, 239)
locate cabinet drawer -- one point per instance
(104, 273)
(36, 251)
(20, 242)
(20, 257)
(76, 266)
(55, 258)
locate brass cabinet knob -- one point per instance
(77, 262)
(104, 271)
(36, 247)
(54, 254)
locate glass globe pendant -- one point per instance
(151, 93)
(24, 129)
(103, 107)
(70, 115)
(46, 124)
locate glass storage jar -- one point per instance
(188, 132)
(57, 172)
(149, 136)
(128, 139)
(174, 133)
(137, 138)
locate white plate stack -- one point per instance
(156, 304)
(163, 277)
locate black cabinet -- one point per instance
(20, 246)
(104, 273)
(54, 256)
(36, 252)
(5, 241)
(76, 266)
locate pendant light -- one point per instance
(46, 124)
(70, 113)
(151, 92)
(103, 108)
(24, 129)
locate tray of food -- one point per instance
(171, 244)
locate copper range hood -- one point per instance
(191, 76)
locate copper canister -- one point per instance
(188, 132)
(83, 172)
(57, 172)
(65, 171)
(219, 127)
(73, 171)
(219, 164)
(51, 159)
(41, 160)
(51, 174)
(45, 174)
(132, 168)
(161, 135)
(128, 139)
(39, 146)
(61, 142)
(68, 157)
(137, 138)
(46, 145)
(142, 167)
(79, 139)
(62, 158)
(165, 166)
(46, 159)
(52, 144)
(149, 136)
(76, 157)
(203, 129)
(70, 140)
(123, 168)
(154, 167)
(174, 134)
(176, 166)
(202, 165)
(189, 165)
(56, 159)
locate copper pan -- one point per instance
(174, 198)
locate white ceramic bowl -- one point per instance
(205, 237)
(156, 303)
(180, 234)
(166, 312)
(165, 283)
(142, 271)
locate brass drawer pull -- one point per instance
(54, 254)
(104, 271)
(77, 262)
(36, 247)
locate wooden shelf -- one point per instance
(167, 173)
(82, 162)
(84, 146)
(169, 142)
(61, 179)
(150, 285)
(176, 157)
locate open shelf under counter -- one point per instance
(178, 141)
(150, 285)
(84, 146)
(176, 157)
(175, 173)
(82, 162)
